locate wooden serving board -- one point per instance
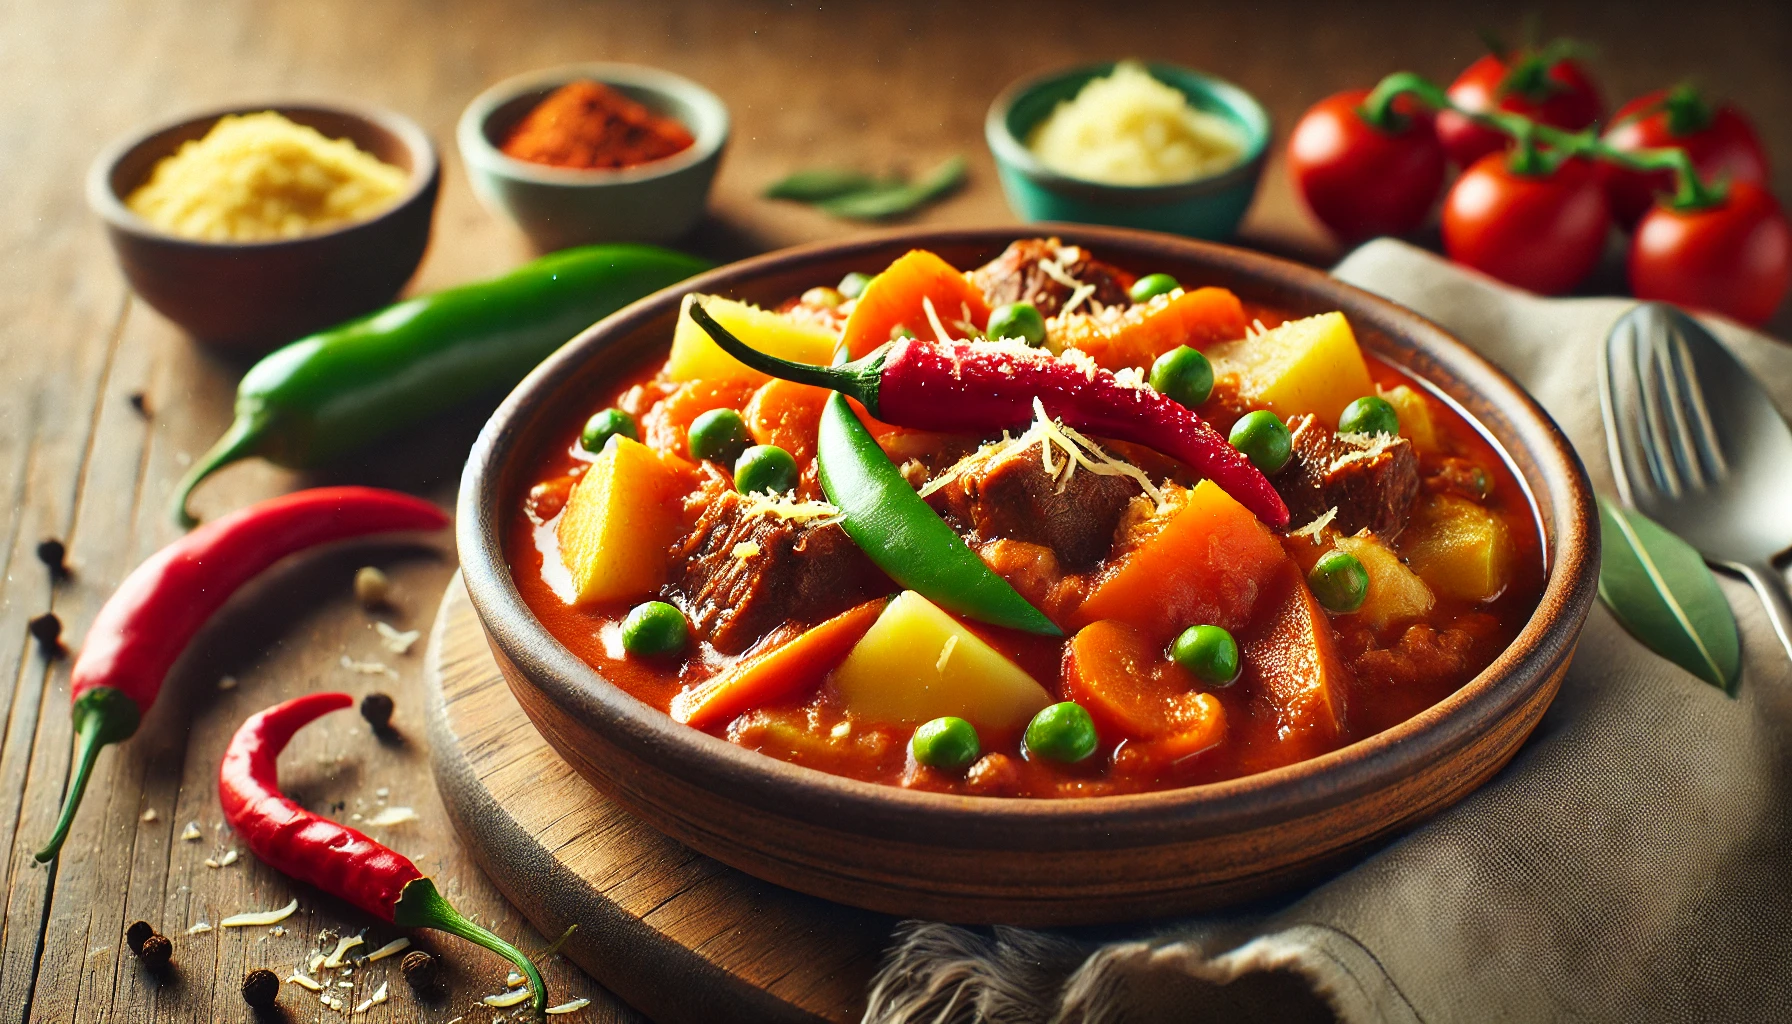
(678, 935)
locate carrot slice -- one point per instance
(1137, 335)
(894, 299)
(776, 672)
(1207, 564)
(788, 415)
(1131, 690)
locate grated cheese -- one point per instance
(1368, 447)
(392, 816)
(261, 917)
(226, 682)
(1083, 291)
(945, 654)
(368, 668)
(933, 317)
(1312, 530)
(228, 859)
(343, 945)
(1130, 376)
(149, 815)
(394, 640)
(202, 927)
(304, 982)
(191, 833)
(577, 1004)
(746, 549)
(784, 506)
(507, 998)
(398, 945)
(380, 994)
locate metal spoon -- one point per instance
(1697, 445)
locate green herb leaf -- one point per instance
(1660, 590)
(823, 183)
(863, 197)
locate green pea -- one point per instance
(765, 467)
(1339, 581)
(654, 628)
(1370, 414)
(1062, 732)
(1184, 375)
(1209, 652)
(719, 434)
(853, 284)
(1152, 285)
(1264, 439)
(945, 743)
(605, 425)
(1019, 321)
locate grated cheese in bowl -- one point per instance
(1131, 129)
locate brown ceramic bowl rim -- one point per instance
(788, 790)
(110, 206)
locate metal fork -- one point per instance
(1698, 446)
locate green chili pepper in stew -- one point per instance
(886, 518)
(339, 389)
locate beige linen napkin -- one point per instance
(1633, 863)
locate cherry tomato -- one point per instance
(1734, 258)
(1721, 142)
(1361, 180)
(1542, 232)
(1557, 92)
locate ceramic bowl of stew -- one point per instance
(1219, 835)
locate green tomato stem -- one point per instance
(1529, 157)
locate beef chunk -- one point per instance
(1371, 484)
(1008, 494)
(735, 594)
(1016, 276)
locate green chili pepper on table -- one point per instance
(325, 395)
(904, 537)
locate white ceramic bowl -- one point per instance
(559, 207)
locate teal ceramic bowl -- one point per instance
(1208, 207)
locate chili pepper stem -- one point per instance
(857, 379)
(239, 442)
(102, 716)
(421, 905)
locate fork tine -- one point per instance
(1670, 352)
(1654, 427)
(1622, 409)
(1706, 443)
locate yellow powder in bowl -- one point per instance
(260, 177)
(1131, 129)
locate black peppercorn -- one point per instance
(261, 987)
(47, 628)
(54, 554)
(157, 951)
(377, 709)
(136, 934)
(140, 402)
(420, 970)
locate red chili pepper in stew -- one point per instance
(332, 857)
(148, 621)
(961, 386)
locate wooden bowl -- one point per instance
(246, 298)
(1027, 861)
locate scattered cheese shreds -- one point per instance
(572, 1007)
(394, 640)
(398, 945)
(1082, 292)
(392, 816)
(1312, 530)
(363, 1006)
(933, 317)
(746, 549)
(202, 927)
(226, 682)
(191, 833)
(785, 507)
(946, 654)
(260, 917)
(511, 998)
(1055, 270)
(225, 861)
(304, 982)
(150, 814)
(368, 668)
(380, 994)
(343, 945)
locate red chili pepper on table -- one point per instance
(332, 857)
(147, 623)
(961, 386)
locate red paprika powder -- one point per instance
(588, 125)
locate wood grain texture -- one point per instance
(841, 83)
(678, 935)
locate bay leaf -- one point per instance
(894, 200)
(1662, 592)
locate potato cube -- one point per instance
(1415, 418)
(619, 524)
(1461, 549)
(917, 663)
(696, 356)
(1395, 592)
(1303, 366)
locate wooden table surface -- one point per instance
(860, 85)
